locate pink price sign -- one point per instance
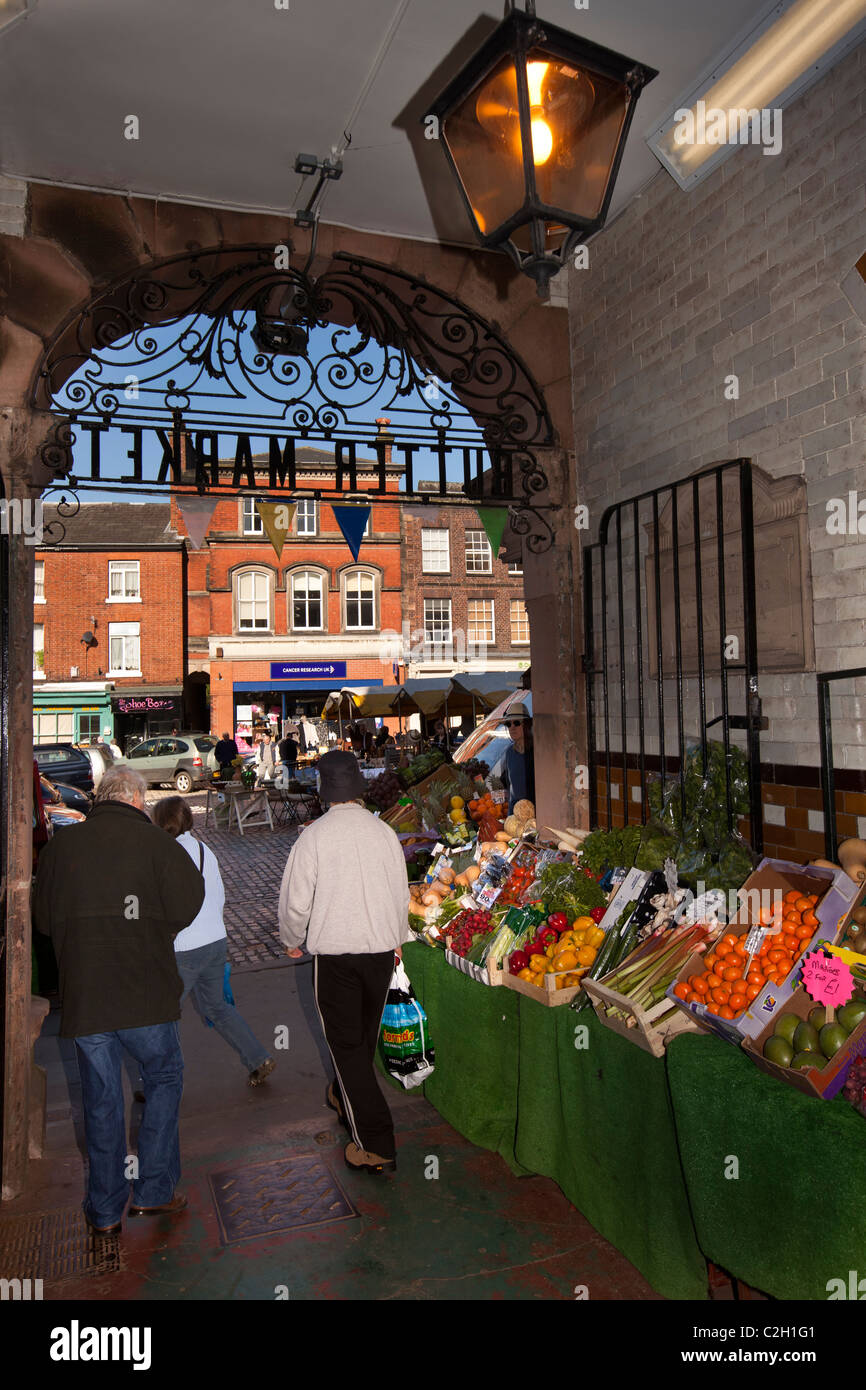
(827, 979)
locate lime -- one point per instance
(778, 1050)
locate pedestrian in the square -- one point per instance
(345, 890)
(225, 751)
(113, 893)
(267, 760)
(201, 949)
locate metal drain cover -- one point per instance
(282, 1195)
(55, 1245)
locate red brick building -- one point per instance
(463, 609)
(274, 635)
(108, 625)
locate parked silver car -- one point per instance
(178, 758)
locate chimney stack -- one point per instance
(383, 436)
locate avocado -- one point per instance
(818, 1016)
(806, 1038)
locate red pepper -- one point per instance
(597, 913)
(559, 921)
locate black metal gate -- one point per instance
(671, 640)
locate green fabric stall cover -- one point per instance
(794, 1218)
(598, 1120)
(475, 1034)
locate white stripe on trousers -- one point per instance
(343, 1094)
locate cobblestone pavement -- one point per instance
(252, 868)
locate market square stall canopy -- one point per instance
(490, 687)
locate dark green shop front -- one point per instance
(645, 1148)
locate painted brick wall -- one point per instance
(742, 276)
(76, 590)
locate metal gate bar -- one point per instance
(828, 773)
(601, 609)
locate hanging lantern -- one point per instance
(534, 127)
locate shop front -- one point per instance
(144, 712)
(279, 706)
(72, 713)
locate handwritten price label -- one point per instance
(827, 979)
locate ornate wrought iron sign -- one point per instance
(215, 345)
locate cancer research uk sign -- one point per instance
(307, 670)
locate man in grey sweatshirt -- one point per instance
(345, 889)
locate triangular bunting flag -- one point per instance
(352, 521)
(277, 518)
(196, 512)
(494, 520)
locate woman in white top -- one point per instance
(201, 947)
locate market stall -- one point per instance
(575, 981)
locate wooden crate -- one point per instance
(485, 975)
(645, 1032)
(550, 996)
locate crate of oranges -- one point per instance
(735, 991)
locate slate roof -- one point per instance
(117, 524)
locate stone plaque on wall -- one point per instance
(783, 591)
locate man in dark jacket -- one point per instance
(225, 751)
(113, 893)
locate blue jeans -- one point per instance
(202, 973)
(157, 1051)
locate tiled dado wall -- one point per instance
(792, 802)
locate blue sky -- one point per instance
(166, 348)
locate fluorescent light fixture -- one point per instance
(11, 10)
(740, 99)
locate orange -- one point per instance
(810, 920)
(803, 904)
(732, 973)
(721, 996)
(804, 932)
(741, 949)
(730, 939)
(738, 1002)
(752, 992)
(699, 984)
(791, 943)
(712, 1008)
(693, 998)
(710, 960)
(681, 990)
(775, 955)
(723, 949)
(713, 980)
(725, 1012)
(791, 896)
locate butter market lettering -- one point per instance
(194, 457)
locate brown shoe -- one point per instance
(177, 1203)
(104, 1230)
(332, 1100)
(358, 1159)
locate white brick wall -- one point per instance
(742, 276)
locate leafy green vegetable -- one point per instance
(610, 849)
(417, 923)
(566, 888)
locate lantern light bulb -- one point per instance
(542, 140)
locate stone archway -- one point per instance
(72, 246)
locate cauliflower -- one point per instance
(524, 810)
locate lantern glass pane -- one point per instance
(577, 118)
(483, 135)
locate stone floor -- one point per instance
(451, 1223)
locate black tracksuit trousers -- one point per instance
(351, 992)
